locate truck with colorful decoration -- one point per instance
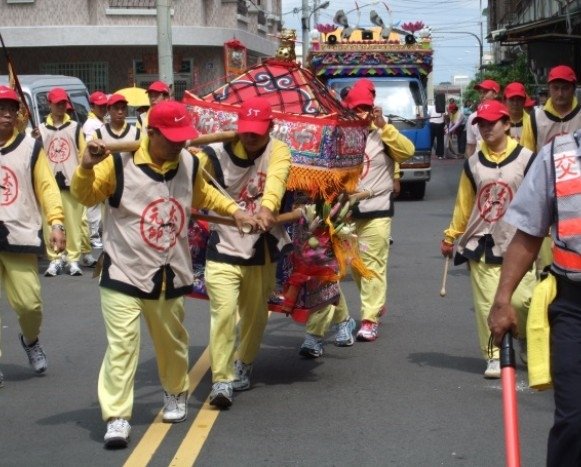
(399, 62)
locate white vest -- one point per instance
(546, 126)
(495, 186)
(20, 217)
(145, 229)
(376, 177)
(244, 181)
(130, 133)
(62, 150)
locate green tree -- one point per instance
(503, 74)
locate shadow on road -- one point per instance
(442, 360)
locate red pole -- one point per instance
(509, 402)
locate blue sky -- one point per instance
(454, 53)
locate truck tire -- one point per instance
(417, 190)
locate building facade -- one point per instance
(112, 44)
(547, 31)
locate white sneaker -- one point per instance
(89, 260)
(492, 369)
(74, 269)
(174, 407)
(221, 395)
(243, 372)
(117, 435)
(54, 268)
(96, 243)
(35, 354)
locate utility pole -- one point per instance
(164, 42)
(305, 28)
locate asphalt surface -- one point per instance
(415, 397)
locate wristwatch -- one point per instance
(59, 227)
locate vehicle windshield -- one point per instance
(401, 98)
(78, 99)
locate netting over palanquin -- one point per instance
(288, 87)
(327, 141)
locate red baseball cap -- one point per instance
(529, 102)
(488, 85)
(366, 84)
(98, 98)
(8, 94)
(360, 95)
(158, 86)
(562, 72)
(115, 98)
(174, 122)
(515, 89)
(56, 95)
(255, 116)
(491, 110)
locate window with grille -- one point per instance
(95, 75)
(132, 4)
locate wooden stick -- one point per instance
(131, 146)
(284, 218)
(444, 277)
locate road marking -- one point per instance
(196, 437)
(153, 437)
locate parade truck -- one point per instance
(400, 65)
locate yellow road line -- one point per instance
(196, 437)
(157, 431)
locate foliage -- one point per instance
(503, 74)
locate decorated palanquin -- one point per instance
(327, 142)
(327, 146)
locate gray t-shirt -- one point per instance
(533, 208)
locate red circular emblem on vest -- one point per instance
(8, 186)
(493, 200)
(161, 223)
(59, 150)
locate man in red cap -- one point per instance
(117, 130)
(29, 192)
(477, 229)
(515, 96)
(385, 147)
(63, 141)
(456, 126)
(488, 89)
(157, 92)
(95, 120)
(96, 117)
(240, 269)
(561, 113)
(147, 267)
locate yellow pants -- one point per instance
(85, 236)
(19, 276)
(233, 288)
(484, 279)
(319, 322)
(164, 319)
(373, 239)
(73, 211)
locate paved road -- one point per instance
(415, 397)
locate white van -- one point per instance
(36, 88)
